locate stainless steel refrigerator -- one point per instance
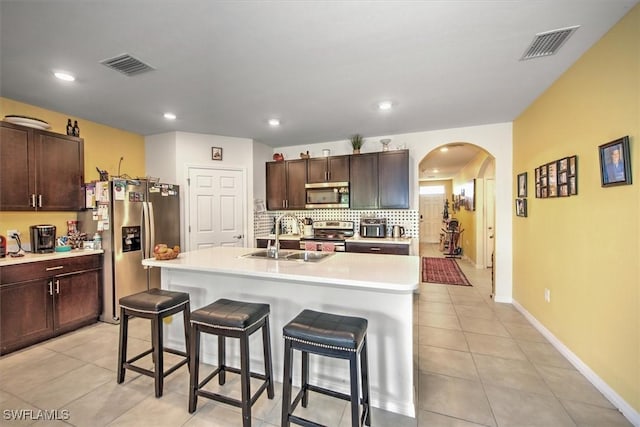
(132, 216)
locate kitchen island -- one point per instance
(379, 288)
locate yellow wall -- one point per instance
(470, 220)
(585, 248)
(103, 147)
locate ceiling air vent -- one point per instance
(127, 64)
(548, 43)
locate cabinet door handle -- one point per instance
(39, 200)
(50, 287)
(58, 267)
(33, 201)
(57, 286)
(375, 249)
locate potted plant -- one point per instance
(356, 143)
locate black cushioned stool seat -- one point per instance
(154, 304)
(233, 319)
(330, 335)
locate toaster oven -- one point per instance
(373, 227)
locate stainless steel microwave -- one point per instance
(327, 195)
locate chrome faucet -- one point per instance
(274, 250)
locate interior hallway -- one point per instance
(477, 363)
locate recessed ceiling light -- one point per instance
(169, 116)
(385, 105)
(436, 171)
(274, 122)
(444, 149)
(62, 75)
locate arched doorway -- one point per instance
(460, 177)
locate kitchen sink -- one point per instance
(309, 256)
(291, 255)
(267, 254)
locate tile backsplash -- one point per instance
(263, 221)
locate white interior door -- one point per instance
(490, 203)
(216, 208)
(431, 206)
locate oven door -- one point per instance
(322, 245)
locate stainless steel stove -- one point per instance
(328, 234)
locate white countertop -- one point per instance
(29, 257)
(389, 273)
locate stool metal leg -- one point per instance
(364, 369)
(268, 364)
(122, 352)
(156, 339)
(305, 378)
(222, 360)
(286, 384)
(194, 362)
(186, 319)
(355, 394)
(245, 380)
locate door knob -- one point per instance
(239, 236)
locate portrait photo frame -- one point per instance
(615, 162)
(216, 153)
(522, 184)
(521, 207)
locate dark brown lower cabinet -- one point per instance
(40, 300)
(373, 248)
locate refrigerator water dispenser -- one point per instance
(131, 238)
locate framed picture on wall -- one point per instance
(552, 179)
(521, 207)
(522, 184)
(615, 163)
(216, 153)
(573, 165)
(563, 164)
(573, 185)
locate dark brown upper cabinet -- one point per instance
(285, 184)
(40, 170)
(328, 169)
(380, 180)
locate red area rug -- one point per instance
(443, 270)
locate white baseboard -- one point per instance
(506, 300)
(616, 400)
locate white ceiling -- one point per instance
(226, 67)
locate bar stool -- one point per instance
(328, 335)
(154, 304)
(233, 319)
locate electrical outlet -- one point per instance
(547, 295)
(10, 233)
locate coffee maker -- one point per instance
(43, 238)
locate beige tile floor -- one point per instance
(477, 363)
